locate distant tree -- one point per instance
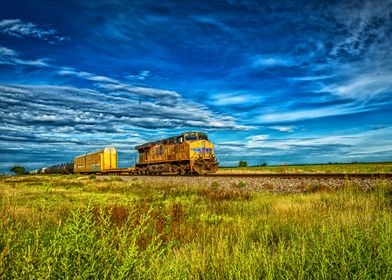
(243, 163)
(263, 164)
(18, 170)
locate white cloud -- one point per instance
(255, 140)
(380, 139)
(359, 57)
(81, 108)
(85, 75)
(234, 98)
(373, 144)
(18, 28)
(362, 25)
(311, 78)
(296, 115)
(214, 22)
(10, 57)
(283, 128)
(139, 91)
(115, 86)
(141, 76)
(261, 137)
(268, 61)
(6, 52)
(363, 87)
(356, 67)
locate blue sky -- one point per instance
(271, 81)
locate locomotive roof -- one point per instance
(167, 140)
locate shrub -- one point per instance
(243, 163)
(18, 170)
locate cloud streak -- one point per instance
(18, 28)
(269, 61)
(89, 111)
(10, 57)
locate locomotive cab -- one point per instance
(201, 153)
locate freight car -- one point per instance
(188, 153)
(96, 162)
(38, 171)
(63, 168)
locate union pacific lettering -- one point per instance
(202, 150)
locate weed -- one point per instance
(225, 194)
(112, 179)
(213, 219)
(241, 184)
(214, 186)
(115, 179)
(317, 187)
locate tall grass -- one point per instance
(85, 246)
(51, 227)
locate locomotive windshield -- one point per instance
(202, 136)
(191, 136)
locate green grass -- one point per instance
(378, 167)
(82, 227)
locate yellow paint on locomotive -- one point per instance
(193, 150)
(96, 161)
(201, 149)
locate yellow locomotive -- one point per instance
(187, 153)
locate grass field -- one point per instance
(84, 227)
(377, 167)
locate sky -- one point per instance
(276, 82)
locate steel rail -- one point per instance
(304, 175)
(274, 175)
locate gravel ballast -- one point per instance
(271, 184)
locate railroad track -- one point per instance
(281, 175)
(305, 175)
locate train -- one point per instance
(189, 153)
